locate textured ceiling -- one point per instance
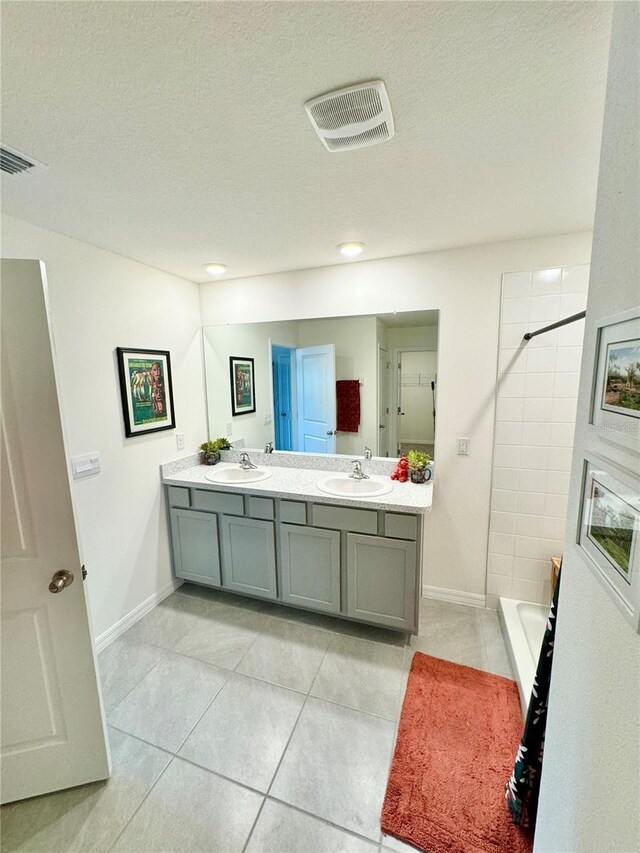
(174, 133)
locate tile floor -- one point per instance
(237, 725)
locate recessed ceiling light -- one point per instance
(351, 250)
(215, 269)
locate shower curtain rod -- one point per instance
(572, 319)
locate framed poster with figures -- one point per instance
(146, 390)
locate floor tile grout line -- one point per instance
(120, 701)
(142, 801)
(324, 820)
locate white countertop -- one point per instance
(300, 484)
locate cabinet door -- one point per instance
(381, 580)
(248, 556)
(310, 567)
(194, 538)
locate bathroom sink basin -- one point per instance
(345, 486)
(237, 476)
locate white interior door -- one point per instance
(52, 733)
(383, 402)
(316, 385)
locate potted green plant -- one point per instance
(418, 466)
(211, 450)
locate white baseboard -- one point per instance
(472, 599)
(141, 610)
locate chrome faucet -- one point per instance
(245, 463)
(368, 453)
(358, 473)
(268, 448)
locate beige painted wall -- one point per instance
(464, 284)
(589, 800)
(99, 301)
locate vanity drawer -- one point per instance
(218, 502)
(260, 508)
(345, 518)
(398, 526)
(178, 496)
(293, 512)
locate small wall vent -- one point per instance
(354, 117)
(14, 163)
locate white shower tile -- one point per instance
(564, 410)
(560, 458)
(491, 603)
(508, 432)
(558, 482)
(512, 361)
(562, 435)
(549, 339)
(568, 359)
(511, 385)
(506, 478)
(506, 456)
(512, 334)
(538, 409)
(541, 360)
(556, 506)
(531, 503)
(534, 480)
(515, 310)
(527, 546)
(538, 385)
(534, 457)
(536, 434)
(501, 543)
(499, 585)
(503, 500)
(544, 309)
(529, 525)
(532, 570)
(524, 590)
(551, 548)
(510, 409)
(566, 385)
(553, 528)
(503, 522)
(516, 284)
(575, 279)
(571, 335)
(501, 564)
(572, 303)
(544, 592)
(546, 282)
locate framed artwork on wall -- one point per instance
(609, 533)
(243, 385)
(146, 390)
(615, 401)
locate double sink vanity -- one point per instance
(301, 530)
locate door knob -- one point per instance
(331, 431)
(381, 426)
(61, 580)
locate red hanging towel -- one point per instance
(348, 405)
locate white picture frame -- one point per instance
(609, 532)
(617, 349)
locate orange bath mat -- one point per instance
(457, 741)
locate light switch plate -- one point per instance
(464, 446)
(86, 464)
(180, 440)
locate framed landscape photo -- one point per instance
(146, 390)
(243, 385)
(615, 404)
(609, 533)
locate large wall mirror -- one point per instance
(332, 385)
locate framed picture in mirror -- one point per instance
(243, 385)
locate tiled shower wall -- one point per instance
(536, 397)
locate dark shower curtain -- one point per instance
(523, 788)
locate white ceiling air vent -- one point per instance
(14, 163)
(354, 117)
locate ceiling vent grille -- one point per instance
(13, 163)
(355, 117)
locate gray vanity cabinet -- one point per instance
(194, 538)
(381, 580)
(310, 567)
(248, 556)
